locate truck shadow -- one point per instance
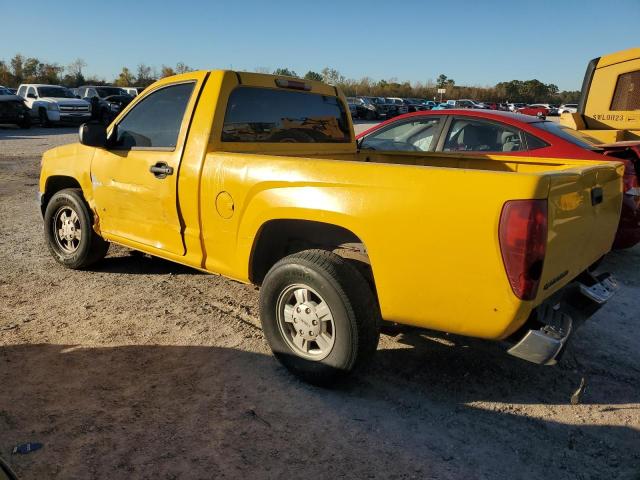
(204, 412)
(137, 263)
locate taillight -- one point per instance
(630, 184)
(294, 84)
(523, 243)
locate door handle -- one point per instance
(161, 170)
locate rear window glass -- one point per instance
(569, 134)
(269, 115)
(627, 92)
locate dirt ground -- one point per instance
(141, 368)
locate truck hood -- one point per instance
(70, 102)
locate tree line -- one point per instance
(20, 69)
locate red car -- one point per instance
(458, 132)
(534, 111)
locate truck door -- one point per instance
(135, 179)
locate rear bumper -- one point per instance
(545, 335)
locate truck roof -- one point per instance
(40, 85)
(618, 57)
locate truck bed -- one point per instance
(430, 223)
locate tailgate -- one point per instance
(584, 211)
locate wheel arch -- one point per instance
(54, 184)
(279, 238)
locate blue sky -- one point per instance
(477, 42)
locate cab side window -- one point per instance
(22, 91)
(467, 135)
(155, 121)
(412, 136)
(31, 90)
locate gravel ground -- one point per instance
(141, 368)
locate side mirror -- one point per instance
(93, 134)
(31, 95)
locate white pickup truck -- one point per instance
(54, 104)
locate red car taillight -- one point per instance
(523, 243)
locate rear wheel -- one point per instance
(69, 231)
(319, 316)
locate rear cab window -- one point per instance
(267, 115)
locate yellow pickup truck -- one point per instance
(259, 178)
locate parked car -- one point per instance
(414, 105)
(111, 100)
(552, 110)
(368, 109)
(568, 108)
(13, 110)
(498, 238)
(443, 106)
(384, 109)
(515, 106)
(353, 106)
(466, 103)
(133, 91)
(429, 104)
(52, 104)
(505, 133)
(397, 106)
(541, 112)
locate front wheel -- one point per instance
(44, 118)
(69, 231)
(319, 315)
(25, 123)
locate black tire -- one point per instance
(44, 119)
(105, 117)
(25, 123)
(353, 308)
(90, 247)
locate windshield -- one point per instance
(55, 92)
(108, 91)
(574, 136)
